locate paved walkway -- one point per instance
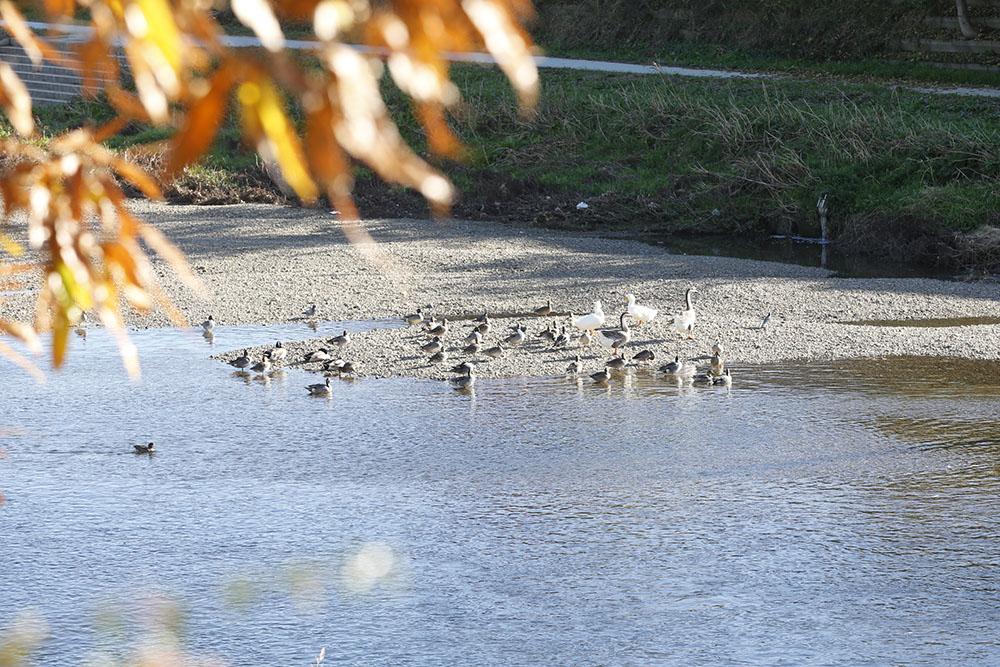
(79, 33)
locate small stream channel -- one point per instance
(841, 512)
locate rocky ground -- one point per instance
(266, 264)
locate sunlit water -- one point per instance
(843, 513)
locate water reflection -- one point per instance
(779, 520)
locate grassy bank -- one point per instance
(908, 175)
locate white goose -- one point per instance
(642, 313)
(591, 321)
(684, 323)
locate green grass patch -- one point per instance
(670, 153)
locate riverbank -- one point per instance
(266, 264)
(908, 176)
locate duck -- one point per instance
(493, 352)
(461, 368)
(615, 338)
(541, 311)
(208, 325)
(341, 341)
(717, 365)
(486, 325)
(440, 329)
(586, 339)
(601, 376)
(679, 368)
(548, 334)
(644, 355)
(473, 338)
(726, 380)
(347, 368)
(310, 311)
(278, 352)
(319, 389)
(616, 364)
(264, 365)
(717, 349)
(439, 357)
(465, 381)
(241, 361)
(434, 346)
(414, 318)
(516, 338)
(702, 378)
(471, 349)
(684, 323)
(590, 321)
(145, 449)
(575, 366)
(322, 354)
(562, 340)
(482, 318)
(642, 313)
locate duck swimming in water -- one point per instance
(145, 449)
(319, 389)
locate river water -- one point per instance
(841, 513)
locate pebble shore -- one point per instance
(265, 264)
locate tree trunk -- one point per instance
(969, 31)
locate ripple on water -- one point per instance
(812, 512)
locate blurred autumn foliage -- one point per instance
(185, 74)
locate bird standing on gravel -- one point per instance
(434, 346)
(541, 311)
(439, 329)
(493, 352)
(684, 323)
(642, 313)
(310, 311)
(767, 320)
(414, 318)
(341, 341)
(516, 338)
(562, 340)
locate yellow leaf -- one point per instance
(201, 123)
(16, 101)
(10, 246)
(60, 336)
(265, 106)
(136, 177)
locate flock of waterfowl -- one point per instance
(484, 341)
(590, 330)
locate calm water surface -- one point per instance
(841, 513)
